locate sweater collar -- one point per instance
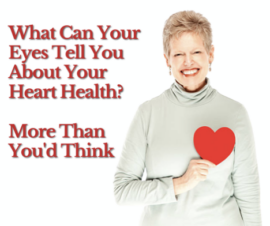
(179, 96)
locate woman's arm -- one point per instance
(245, 173)
(129, 189)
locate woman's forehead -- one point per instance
(186, 41)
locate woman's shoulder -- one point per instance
(152, 103)
(229, 102)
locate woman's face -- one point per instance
(188, 55)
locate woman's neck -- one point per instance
(193, 90)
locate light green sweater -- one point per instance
(160, 139)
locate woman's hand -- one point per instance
(197, 171)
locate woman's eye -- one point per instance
(197, 52)
(177, 54)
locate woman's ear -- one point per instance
(167, 61)
(211, 55)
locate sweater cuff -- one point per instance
(172, 196)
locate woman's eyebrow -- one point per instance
(195, 49)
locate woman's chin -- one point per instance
(189, 78)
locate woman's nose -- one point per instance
(188, 61)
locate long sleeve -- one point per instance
(129, 189)
(245, 173)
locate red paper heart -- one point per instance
(214, 146)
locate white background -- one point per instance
(77, 191)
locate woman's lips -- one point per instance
(188, 75)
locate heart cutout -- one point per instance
(214, 146)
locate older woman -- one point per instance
(181, 188)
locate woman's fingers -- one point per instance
(207, 162)
(203, 177)
(197, 171)
(203, 166)
(203, 171)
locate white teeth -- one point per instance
(190, 72)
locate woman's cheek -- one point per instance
(199, 58)
(204, 58)
(177, 61)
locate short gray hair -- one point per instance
(186, 21)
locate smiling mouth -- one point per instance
(188, 73)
